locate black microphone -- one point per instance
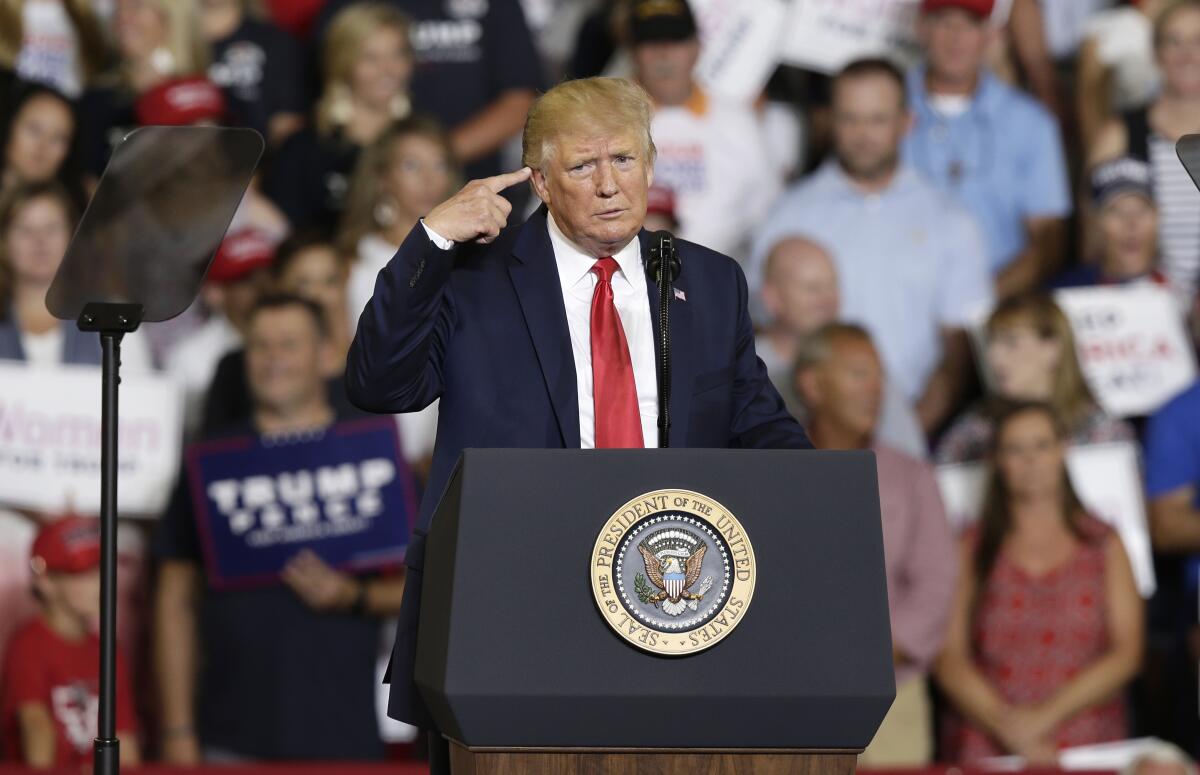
(663, 244)
(663, 267)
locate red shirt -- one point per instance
(41, 667)
(1034, 634)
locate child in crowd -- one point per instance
(49, 697)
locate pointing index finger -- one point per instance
(500, 182)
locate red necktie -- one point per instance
(614, 393)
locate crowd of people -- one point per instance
(903, 232)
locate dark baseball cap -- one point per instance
(1124, 175)
(655, 20)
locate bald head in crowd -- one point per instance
(800, 286)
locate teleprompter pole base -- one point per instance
(107, 754)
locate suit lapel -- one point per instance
(535, 279)
(682, 364)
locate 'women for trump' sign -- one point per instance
(50, 439)
(343, 492)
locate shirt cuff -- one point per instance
(436, 238)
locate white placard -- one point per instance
(50, 439)
(1132, 344)
(1107, 478)
(825, 35)
(741, 44)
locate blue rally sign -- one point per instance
(344, 492)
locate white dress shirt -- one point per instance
(631, 297)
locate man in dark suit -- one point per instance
(541, 335)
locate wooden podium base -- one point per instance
(647, 761)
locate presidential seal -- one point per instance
(673, 572)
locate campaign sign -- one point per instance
(1132, 343)
(741, 45)
(342, 492)
(50, 439)
(825, 35)
(1107, 478)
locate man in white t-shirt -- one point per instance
(711, 152)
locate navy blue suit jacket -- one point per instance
(484, 328)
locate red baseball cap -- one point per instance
(660, 201)
(69, 544)
(981, 8)
(240, 254)
(180, 102)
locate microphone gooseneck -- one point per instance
(663, 267)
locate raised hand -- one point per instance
(477, 212)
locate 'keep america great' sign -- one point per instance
(343, 492)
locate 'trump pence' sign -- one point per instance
(50, 439)
(1132, 345)
(344, 493)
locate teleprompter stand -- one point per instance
(112, 321)
(139, 255)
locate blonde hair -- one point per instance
(344, 41)
(189, 51)
(1165, 15)
(607, 104)
(1071, 399)
(93, 50)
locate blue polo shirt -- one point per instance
(910, 262)
(1173, 445)
(1002, 159)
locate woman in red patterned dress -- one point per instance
(1046, 629)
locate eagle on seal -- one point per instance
(673, 578)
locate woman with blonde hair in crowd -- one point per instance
(159, 46)
(1150, 134)
(1046, 629)
(56, 42)
(1030, 355)
(403, 175)
(367, 64)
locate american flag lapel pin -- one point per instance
(680, 295)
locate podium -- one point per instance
(657, 611)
